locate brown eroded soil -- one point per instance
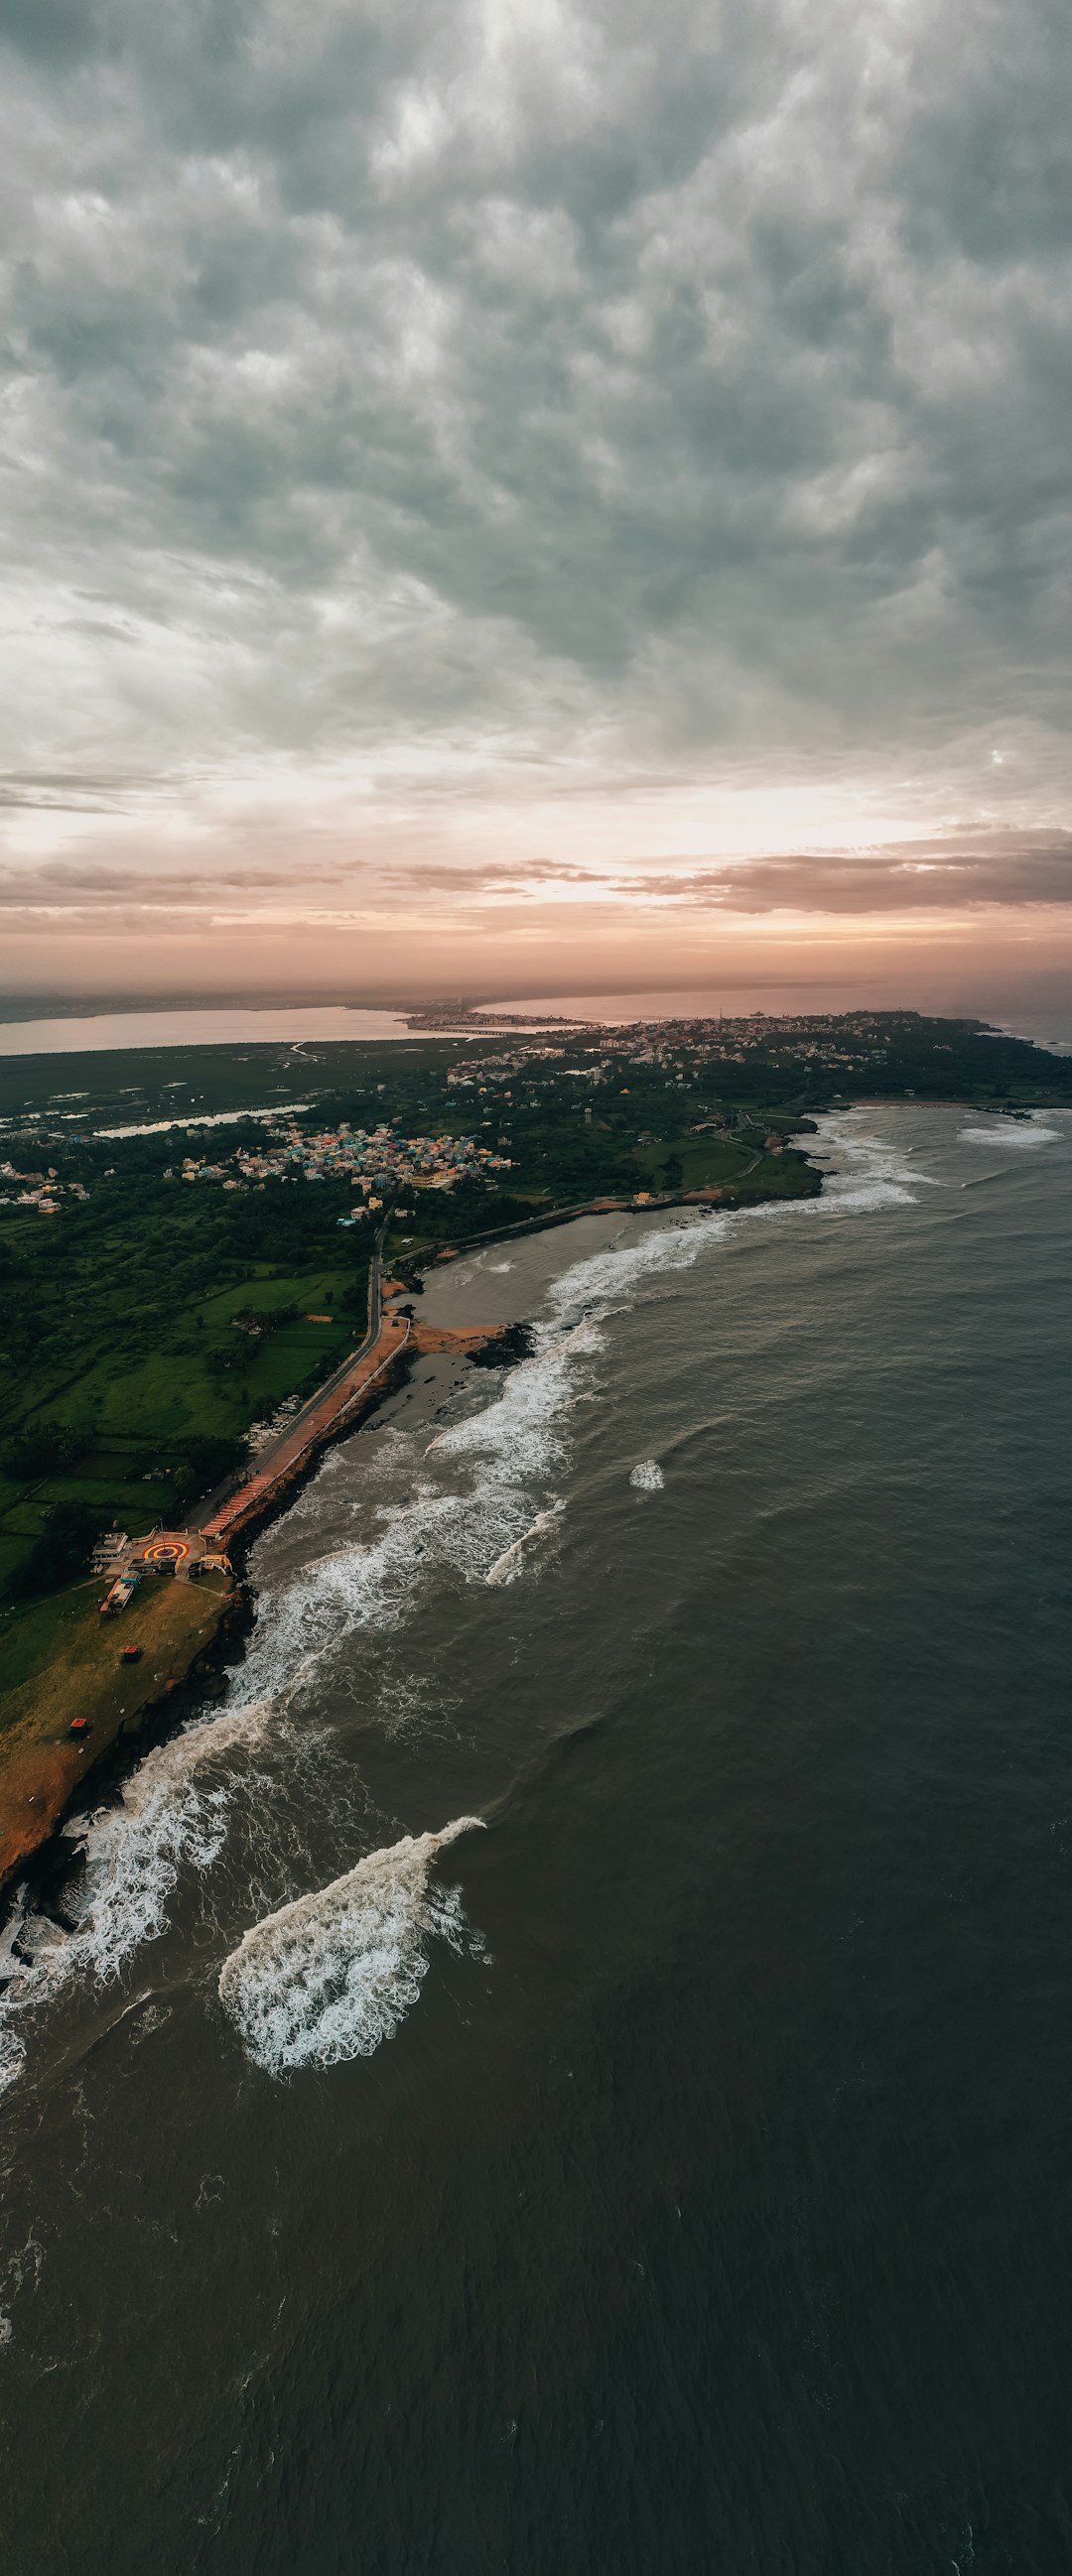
(41, 1763)
(460, 1338)
(336, 1412)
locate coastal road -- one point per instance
(224, 1506)
(375, 1318)
(537, 1224)
(319, 1422)
(231, 1507)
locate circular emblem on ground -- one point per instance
(166, 1551)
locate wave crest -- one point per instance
(330, 1976)
(1007, 1132)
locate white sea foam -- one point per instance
(1009, 1131)
(607, 1279)
(166, 1817)
(12, 2055)
(648, 1477)
(496, 1459)
(500, 1456)
(170, 1815)
(508, 1564)
(173, 1813)
(332, 1975)
(877, 1173)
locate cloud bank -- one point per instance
(519, 463)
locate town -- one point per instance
(375, 1162)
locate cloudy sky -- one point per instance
(516, 495)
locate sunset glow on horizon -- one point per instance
(535, 499)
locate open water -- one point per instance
(95, 1032)
(567, 2071)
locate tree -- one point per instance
(39, 1449)
(207, 1460)
(61, 1552)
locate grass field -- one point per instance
(130, 1083)
(147, 1345)
(706, 1161)
(715, 1161)
(62, 1661)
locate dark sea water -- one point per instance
(568, 2073)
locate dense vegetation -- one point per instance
(142, 1333)
(146, 1326)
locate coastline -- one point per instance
(60, 1766)
(42, 1774)
(45, 1767)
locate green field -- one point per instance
(704, 1162)
(63, 1660)
(145, 1329)
(143, 1336)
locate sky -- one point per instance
(515, 497)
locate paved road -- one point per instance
(538, 1224)
(375, 1318)
(213, 1504)
(316, 1424)
(213, 1509)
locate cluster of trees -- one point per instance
(63, 1547)
(60, 1553)
(40, 1449)
(205, 1462)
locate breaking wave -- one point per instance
(478, 1498)
(877, 1173)
(1009, 1131)
(507, 1565)
(606, 1280)
(648, 1477)
(167, 1816)
(332, 1975)
(477, 1527)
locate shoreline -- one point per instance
(62, 1767)
(356, 1390)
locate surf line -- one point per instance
(323, 1419)
(500, 1571)
(329, 1976)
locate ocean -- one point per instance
(564, 2070)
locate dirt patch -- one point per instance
(41, 1763)
(465, 1339)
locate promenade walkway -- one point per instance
(290, 1453)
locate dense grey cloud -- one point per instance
(462, 400)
